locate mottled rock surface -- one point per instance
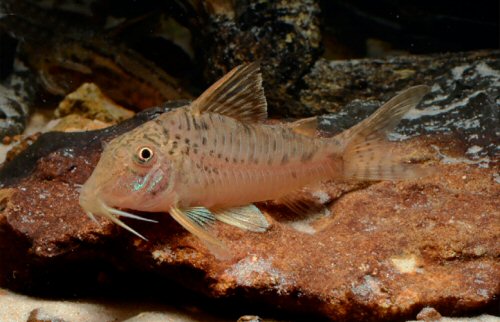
(384, 250)
(66, 49)
(16, 95)
(333, 84)
(284, 35)
(464, 98)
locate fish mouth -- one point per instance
(97, 207)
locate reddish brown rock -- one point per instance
(386, 250)
(383, 250)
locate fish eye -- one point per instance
(144, 154)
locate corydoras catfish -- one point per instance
(211, 160)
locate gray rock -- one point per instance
(16, 99)
(464, 99)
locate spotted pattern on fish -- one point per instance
(224, 154)
(217, 154)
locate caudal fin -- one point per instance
(367, 155)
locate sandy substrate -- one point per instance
(18, 308)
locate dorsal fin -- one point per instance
(238, 94)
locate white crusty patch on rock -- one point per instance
(481, 162)
(458, 71)
(434, 110)
(252, 268)
(322, 196)
(485, 70)
(303, 226)
(405, 264)
(371, 288)
(474, 149)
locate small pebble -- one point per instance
(249, 318)
(428, 314)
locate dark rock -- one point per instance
(333, 84)
(464, 98)
(283, 35)
(13, 112)
(7, 52)
(383, 251)
(17, 93)
(66, 49)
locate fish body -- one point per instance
(213, 158)
(216, 161)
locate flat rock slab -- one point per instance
(384, 250)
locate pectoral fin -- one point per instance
(196, 220)
(245, 217)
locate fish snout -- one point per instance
(89, 200)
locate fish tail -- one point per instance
(366, 152)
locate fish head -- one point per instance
(132, 173)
